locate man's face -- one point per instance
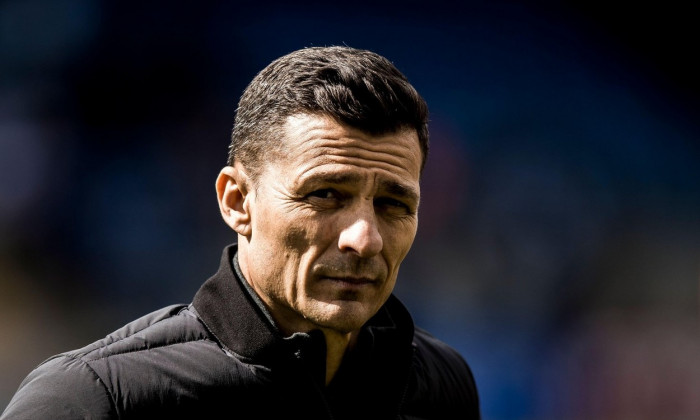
(331, 222)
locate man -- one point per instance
(322, 188)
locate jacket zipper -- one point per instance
(402, 401)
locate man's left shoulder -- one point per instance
(443, 380)
(432, 348)
(440, 363)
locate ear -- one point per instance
(232, 193)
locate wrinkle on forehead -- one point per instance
(318, 140)
(329, 161)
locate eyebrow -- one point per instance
(391, 187)
(399, 190)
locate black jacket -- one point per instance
(220, 357)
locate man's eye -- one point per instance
(325, 199)
(325, 193)
(393, 204)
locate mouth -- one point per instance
(351, 275)
(351, 282)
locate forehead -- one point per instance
(316, 145)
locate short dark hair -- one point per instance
(356, 87)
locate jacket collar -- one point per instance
(239, 322)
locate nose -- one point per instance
(361, 235)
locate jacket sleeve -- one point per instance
(60, 388)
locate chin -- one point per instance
(343, 316)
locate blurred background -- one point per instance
(559, 239)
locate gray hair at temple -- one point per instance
(356, 87)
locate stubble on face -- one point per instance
(298, 268)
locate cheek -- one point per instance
(296, 239)
(305, 233)
(399, 239)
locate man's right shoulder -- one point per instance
(167, 326)
(96, 379)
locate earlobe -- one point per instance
(232, 193)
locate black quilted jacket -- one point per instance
(220, 357)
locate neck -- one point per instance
(337, 345)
